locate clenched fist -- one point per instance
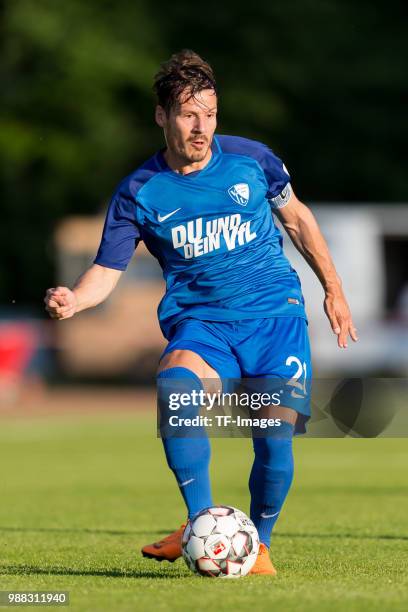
(60, 302)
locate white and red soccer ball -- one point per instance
(220, 542)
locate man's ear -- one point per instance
(160, 116)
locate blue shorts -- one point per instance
(275, 349)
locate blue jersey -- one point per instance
(212, 232)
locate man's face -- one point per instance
(189, 128)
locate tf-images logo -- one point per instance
(240, 193)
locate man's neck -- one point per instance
(181, 166)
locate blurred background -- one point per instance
(322, 82)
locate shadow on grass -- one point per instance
(123, 532)
(15, 570)
(343, 536)
(115, 532)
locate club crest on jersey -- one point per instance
(240, 193)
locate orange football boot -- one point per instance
(263, 564)
(168, 549)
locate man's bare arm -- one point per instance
(302, 228)
(92, 288)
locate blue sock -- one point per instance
(270, 479)
(187, 457)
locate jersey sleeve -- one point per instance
(277, 178)
(120, 235)
(280, 200)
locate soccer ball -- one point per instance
(220, 542)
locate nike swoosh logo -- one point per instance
(161, 218)
(263, 515)
(186, 482)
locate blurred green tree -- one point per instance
(321, 81)
(77, 110)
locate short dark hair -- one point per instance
(185, 70)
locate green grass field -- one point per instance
(80, 495)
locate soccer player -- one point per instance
(233, 305)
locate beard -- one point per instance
(195, 153)
(192, 149)
(196, 156)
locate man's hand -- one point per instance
(339, 315)
(60, 303)
(305, 234)
(91, 289)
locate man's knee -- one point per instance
(189, 360)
